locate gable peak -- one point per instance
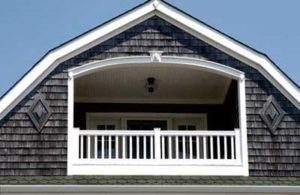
(155, 3)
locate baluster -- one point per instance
(145, 147)
(197, 147)
(117, 147)
(225, 147)
(88, 155)
(81, 146)
(232, 147)
(211, 147)
(109, 146)
(163, 146)
(218, 147)
(96, 147)
(170, 147)
(102, 148)
(177, 147)
(191, 147)
(137, 147)
(123, 147)
(204, 147)
(130, 147)
(151, 147)
(183, 147)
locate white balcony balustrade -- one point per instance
(216, 147)
(156, 152)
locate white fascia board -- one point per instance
(157, 189)
(228, 45)
(54, 58)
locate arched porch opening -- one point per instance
(136, 110)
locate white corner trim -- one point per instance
(243, 125)
(151, 189)
(151, 8)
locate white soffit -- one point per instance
(133, 17)
(173, 85)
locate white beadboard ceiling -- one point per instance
(174, 85)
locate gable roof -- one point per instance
(133, 17)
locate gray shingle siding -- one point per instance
(23, 151)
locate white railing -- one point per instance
(116, 144)
(212, 147)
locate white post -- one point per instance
(243, 124)
(73, 139)
(157, 143)
(237, 145)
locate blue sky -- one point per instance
(28, 29)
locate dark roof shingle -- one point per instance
(149, 180)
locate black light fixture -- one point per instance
(151, 84)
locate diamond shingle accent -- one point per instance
(272, 114)
(39, 112)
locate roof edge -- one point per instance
(241, 189)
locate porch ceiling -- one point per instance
(174, 85)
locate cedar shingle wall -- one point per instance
(25, 152)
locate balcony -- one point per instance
(156, 118)
(124, 149)
(159, 147)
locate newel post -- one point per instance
(238, 144)
(157, 146)
(75, 136)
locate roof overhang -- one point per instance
(148, 9)
(149, 189)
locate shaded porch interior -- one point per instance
(176, 90)
(181, 101)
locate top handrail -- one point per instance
(162, 132)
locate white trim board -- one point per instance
(139, 14)
(166, 61)
(216, 101)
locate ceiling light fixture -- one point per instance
(151, 84)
